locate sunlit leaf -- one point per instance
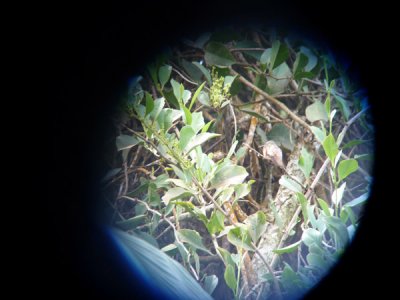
(197, 121)
(337, 194)
(324, 206)
(176, 86)
(290, 184)
(199, 139)
(279, 79)
(306, 162)
(226, 255)
(339, 229)
(316, 112)
(204, 99)
(175, 193)
(210, 283)
(216, 223)
(288, 249)
(303, 203)
(193, 238)
(257, 224)
(230, 277)
(196, 94)
(330, 147)
(359, 200)
(346, 167)
(228, 175)
(319, 133)
(240, 238)
(311, 236)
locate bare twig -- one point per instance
(272, 99)
(270, 270)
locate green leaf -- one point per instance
(226, 255)
(163, 74)
(303, 203)
(169, 248)
(207, 126)
(158, 106)
(230, 277)
(299, 64)
(176, 86)
(337, 194)
(193, 72)
(312, 60)
(288, 249)
(282, 136)
(316, 112)
(125, 142)
(196, 94)
(280, 79)
(330, 148)
(199, 139)
(266, 57)
(175, 193)
(324, 206)
(187, 115)
(153, 198)
(243, 189)
(197, 121)
(339, 229)
(311, 236)
(279, 54)
(167, 116)
(216, 223)
(319, 134)
(218, 55)
(240, 238)
(131, 223)
(306, 162)
(346, 167)
(193, 238)
(257, 224)
(170, 97)
(359, 200)
(149, 103)
(204, 99)
(253, 113)
(317, 261)
(290, 184)
(205, 72)
(344, 106)
(186, 134)
(228, 175)
(210, 283)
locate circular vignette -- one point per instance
(207, 105)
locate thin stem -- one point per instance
(272, 99)
(275, 280)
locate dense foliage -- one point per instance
(243, 146)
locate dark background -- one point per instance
(92, 51)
